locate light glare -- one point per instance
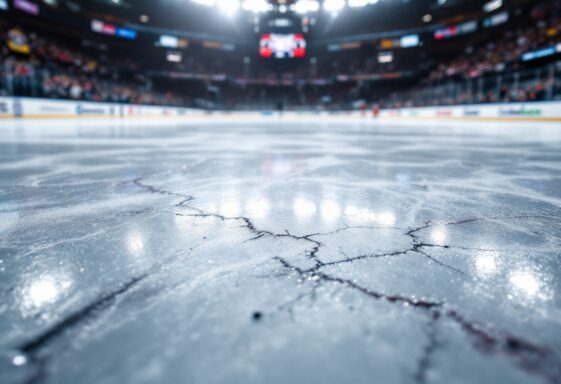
(334, 6)
(228, 7)
(255, 6)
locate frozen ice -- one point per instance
(279, 251)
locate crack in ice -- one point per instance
(526, 355)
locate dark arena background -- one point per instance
(280, 191)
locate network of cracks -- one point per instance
(310, 269)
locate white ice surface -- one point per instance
(279, 251)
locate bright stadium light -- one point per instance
(228, 7)
(358, 3)
(208, 3)
(334, 6)
(492, 5)
(306, 6)
(255, 6)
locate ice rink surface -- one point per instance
(276, 251)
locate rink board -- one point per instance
(35, 108)
(23, 107)
(512, 111)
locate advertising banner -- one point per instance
(535, 110)
(6, 107)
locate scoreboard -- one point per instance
(282, 46)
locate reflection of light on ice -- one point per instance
(486, 263)
(135, 242)
(330, 211)
(230, 208)
(439, 235)
(19, 360)
(526, 283)
(303, 208)
(387, 219)
(43, 291)
(258, 208)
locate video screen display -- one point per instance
(27, 7)
(168, 41)
(112, 30)
(455, 30)
(281, 46)
(498, 19)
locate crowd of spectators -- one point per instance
(530, 90)
(42, 67)
(37, 65)
(504, 51)
(493, 71)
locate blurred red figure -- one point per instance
(375, 111)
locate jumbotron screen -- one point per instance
(282, 46)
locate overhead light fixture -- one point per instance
(492, 5)
(208, 3)
(334, 6)
(174, 57)
(228, 6)
(358, 3)
(256, 6)
(385, 57)
(305, 6)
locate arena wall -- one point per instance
(35, 108)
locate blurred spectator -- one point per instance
(39, 67)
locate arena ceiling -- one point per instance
(317, 18)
